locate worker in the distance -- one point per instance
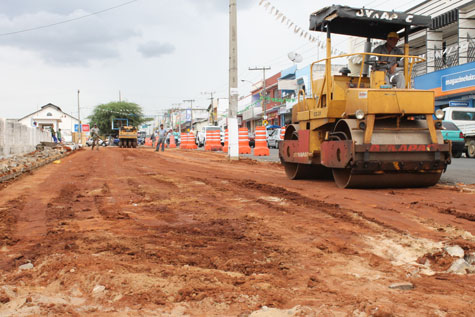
(95, 137)
(393, 77)
(161, 136)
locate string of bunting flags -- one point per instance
(283, 19)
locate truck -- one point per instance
(359, 129)
(464, 119)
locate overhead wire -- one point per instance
(69, 20)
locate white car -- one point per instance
(273, 138)
(101, 142)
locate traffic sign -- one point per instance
(85, 127)
(265, 122)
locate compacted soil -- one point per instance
(132, 232)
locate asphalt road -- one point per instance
(462, 170)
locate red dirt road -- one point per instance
(187, 233)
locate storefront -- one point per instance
(454, 86)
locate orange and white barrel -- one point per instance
(213, 142)
(172, 144)
(226, 141)
(184, 141)
(282, 133)
(261, 149)
(191, 141)
(244, 147)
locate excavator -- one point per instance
(358, 128)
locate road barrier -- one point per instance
(213, 141)
(226, 141)
(260, 147)
(282, 133)
(191, 141)
(244, 147)
(184, 141)
(148, 142)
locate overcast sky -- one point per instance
(155, 52)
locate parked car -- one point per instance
(464, 119)
(101, 142)
(273, 138)
(451, 132)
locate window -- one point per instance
(49, 114)
(463, 115)
(449, 126)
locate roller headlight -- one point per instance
(359, 114)
(439, 114)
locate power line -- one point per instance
(70, 20)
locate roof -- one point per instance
(50, 105)
(53, 106)
(365, 22)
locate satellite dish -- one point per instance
(295, 57)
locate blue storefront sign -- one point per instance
(459, 103)
(76, 127)
(458, 80)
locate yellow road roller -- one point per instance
(362, 129)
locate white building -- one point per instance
(51, 116)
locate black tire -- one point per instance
(471, 149)
(457, 154)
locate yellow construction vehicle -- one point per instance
(128, 136)
(359, 128)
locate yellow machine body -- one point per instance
(128, 136)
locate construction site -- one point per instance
(189, 233)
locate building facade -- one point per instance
(449, 48)
(51, 116)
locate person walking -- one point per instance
(53, 135)
(161, 136)
(95, 137)
(58, 135)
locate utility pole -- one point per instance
(120, 97)
(264, 100)
(79, 118)
(211, 93)
(191, 111)
(233, 151)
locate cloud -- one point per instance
(76, 42)
(155, 49)
(13, 8)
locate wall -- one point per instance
(16, 138)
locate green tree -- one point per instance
(103, 115)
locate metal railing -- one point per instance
(471, 51)
(446, 61)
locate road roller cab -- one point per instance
(359, 128)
